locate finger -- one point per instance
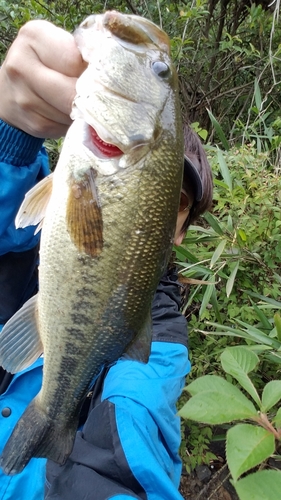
(28, 66)
(54, 47)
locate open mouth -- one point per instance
(106, 149)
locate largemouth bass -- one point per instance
(109, 212)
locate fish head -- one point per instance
(128, 95)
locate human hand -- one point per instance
(37, 80)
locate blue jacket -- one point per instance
(23, 163)
(127, 446)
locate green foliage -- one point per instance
(227, 55)
(228, 59)
(235, 252)
(263, 485)
(214, 400)
(194, 447)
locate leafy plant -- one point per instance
(215, 400)
(195, 444)
(232, 262)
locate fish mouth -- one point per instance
(105, 149)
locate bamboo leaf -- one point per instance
(273, 302)
(224, 170)
(231, 279)
(217, 253)
(214, 223)
(219, 130)
(257, 95)
(207, 296)
(277, 322)
(214, 302)
(262, 317)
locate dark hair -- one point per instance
(195, 152)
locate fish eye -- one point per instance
(161, 69)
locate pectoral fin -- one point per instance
(84, 216)
(20, 343)
(33, 208)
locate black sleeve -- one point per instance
(18, 280)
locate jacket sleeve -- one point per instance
(23, 162)
(128, 447)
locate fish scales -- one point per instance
(107, 232)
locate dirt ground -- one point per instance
(209, 482)
(215, 485)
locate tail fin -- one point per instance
(36, 435)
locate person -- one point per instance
(129, 433)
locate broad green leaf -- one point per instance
(247, 446)
(277, 322)
(238, 361)
(217, 253)
(219, 130)
(263, 485)
(216, 401)
(224, 170)
(239, 358)
(271, 394)
(214, 223)
(231, 279)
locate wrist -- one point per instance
(17, 147)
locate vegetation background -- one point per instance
(227, 53)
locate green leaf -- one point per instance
(277, 419)
(224, 170)
(257, 95)
(277, 322)
(214, 223)
(219, 130)
(273, 302)
(207, 296)
(238, 361)
(262, 317)
(263, 485)
(180, 251)
(242, 234)
(217, 253)
(229, 223)
(231, 279)
(216, 401)
(247, 446)
(271, 394)
(258, 336)
(215, 305)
